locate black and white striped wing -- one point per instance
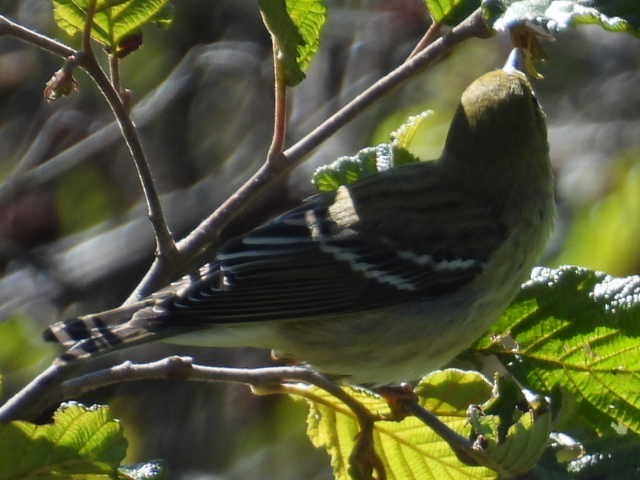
(307, 262)
(303, 264)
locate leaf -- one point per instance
(309, 17)
(408, 448)
(451, 12)
(368, 161)
(576, 331)
(403, 135)
(114, 19)
(82, 443)
(295, 26)
(524, 445)
(553, 16)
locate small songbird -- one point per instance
(383, 280)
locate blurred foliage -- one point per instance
(21, 350)
(604, 235)
(84, 198)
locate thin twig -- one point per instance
(7, 27)
(114, 73)
(274, 155)
(427, 39)
(166, 252)
(459, 444)
(165, 246)
(34, 398)
(261, 380)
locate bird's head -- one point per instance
(498, 133)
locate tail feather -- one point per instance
(103, 332)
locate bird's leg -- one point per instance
(397, 397)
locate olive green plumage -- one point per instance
(383, 280)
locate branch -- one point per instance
(7, 27)
(427, 39)
(165, 247)
(208, 232)
(50, 389)
(166, 252)
(34, 398)
(463, 448)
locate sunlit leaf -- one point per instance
(83, 443)
(451, 12)
(295, 26)
(408, 448)
(113, 20)
(576, 329)
(556, 15)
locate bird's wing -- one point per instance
(325, 258)
(360, 249)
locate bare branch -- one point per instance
(7, 27)
(165, 246)
(34, 398)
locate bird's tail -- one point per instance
(92, 335)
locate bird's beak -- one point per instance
(515, 62)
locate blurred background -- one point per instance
(74, 239)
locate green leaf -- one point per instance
(82, 443)
(368, 161)
(403, 135)
(408, 449)
(525, 443)
(451, 391)
(556, 15)
(576, 331)
(295, 26)
(309, 17)
(451, 12)
(114, 19)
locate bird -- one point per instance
(383, 280)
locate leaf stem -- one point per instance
(274, 155)
(427, 39)
(88, 26)
(114, 74)
(463, 448)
